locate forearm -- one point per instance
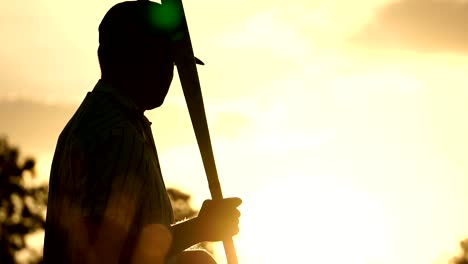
(185, 234)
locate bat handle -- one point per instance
(229, 248)
(230, 251)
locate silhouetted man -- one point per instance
(107, 198)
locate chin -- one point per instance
(154, 104)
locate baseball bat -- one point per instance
(187, 70)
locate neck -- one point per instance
(124, 87)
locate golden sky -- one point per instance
(340, 123)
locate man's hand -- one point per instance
(219, 219)
(216, 221)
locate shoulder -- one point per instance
(100, 119)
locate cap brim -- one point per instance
(198, 61)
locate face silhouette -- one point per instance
(152, 72)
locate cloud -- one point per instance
(419, 25)
(48, 50)
(34, 127)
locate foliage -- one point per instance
(463, 257)
(21, 207)
(182, 210)
(180, 204)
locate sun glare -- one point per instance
(308, 220)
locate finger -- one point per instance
(232, 214)
(232, 224)
(237, 213)
(228, 217)
(232, 201)
(232, 231)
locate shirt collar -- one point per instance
(123, 100)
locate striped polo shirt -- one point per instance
(105, 166)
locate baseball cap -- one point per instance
(132, 22)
